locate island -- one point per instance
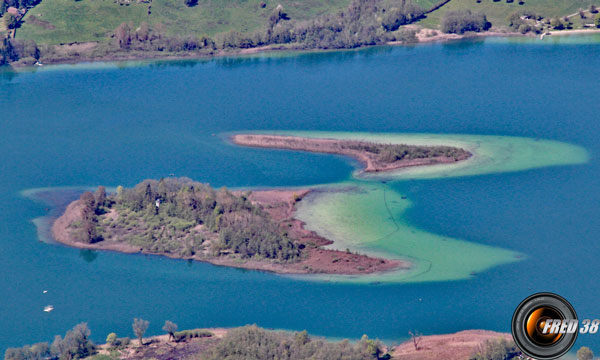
(375, 156)
(180, 218)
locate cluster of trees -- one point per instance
(75, 345)
(252, 342)
(19, 4)
(525, 22)
(461, 21)
(147, 38)
(388, 153)
(170, 207)
(12, 50)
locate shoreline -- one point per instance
(460, 345)
(280, 204)
(422, 39)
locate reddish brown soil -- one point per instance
(333, 146)
(459, 346)
(280, 204)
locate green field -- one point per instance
(498, 12)
(94, 20)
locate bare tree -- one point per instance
(416, 338)
(139, 328)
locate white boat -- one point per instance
(48, 308)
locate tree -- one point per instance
(190, 3)
(100, 197)
(75, 344)
(416, 338)
(585, 353)
(123, 35)
(597, 21)
(143, 33)
(7, 52)
(59, 348)
(593, 9)
(170, 328)
(556, 24)
(10, 21)
(139, 328)
(111, 339)
(88, 222)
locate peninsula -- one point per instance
(376, 157)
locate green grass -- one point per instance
(94, 20)
(497, 12)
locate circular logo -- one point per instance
(544, 326)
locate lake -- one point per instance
(117, 124)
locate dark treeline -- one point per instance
(12, 50)
(461, 21)
(364, 22)
(147, 38)
(388, 153)
(159, 216)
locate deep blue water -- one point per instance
(116, 126)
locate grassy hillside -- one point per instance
(497, 12)
(65, 21)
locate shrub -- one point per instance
(111, 339)
(191, 334)
(585, 353)
(499, 349)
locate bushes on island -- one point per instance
(159, 217)
(461, 21)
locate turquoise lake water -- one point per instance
(118, 124)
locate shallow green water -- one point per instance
(368, 217)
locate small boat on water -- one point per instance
(48, 308)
